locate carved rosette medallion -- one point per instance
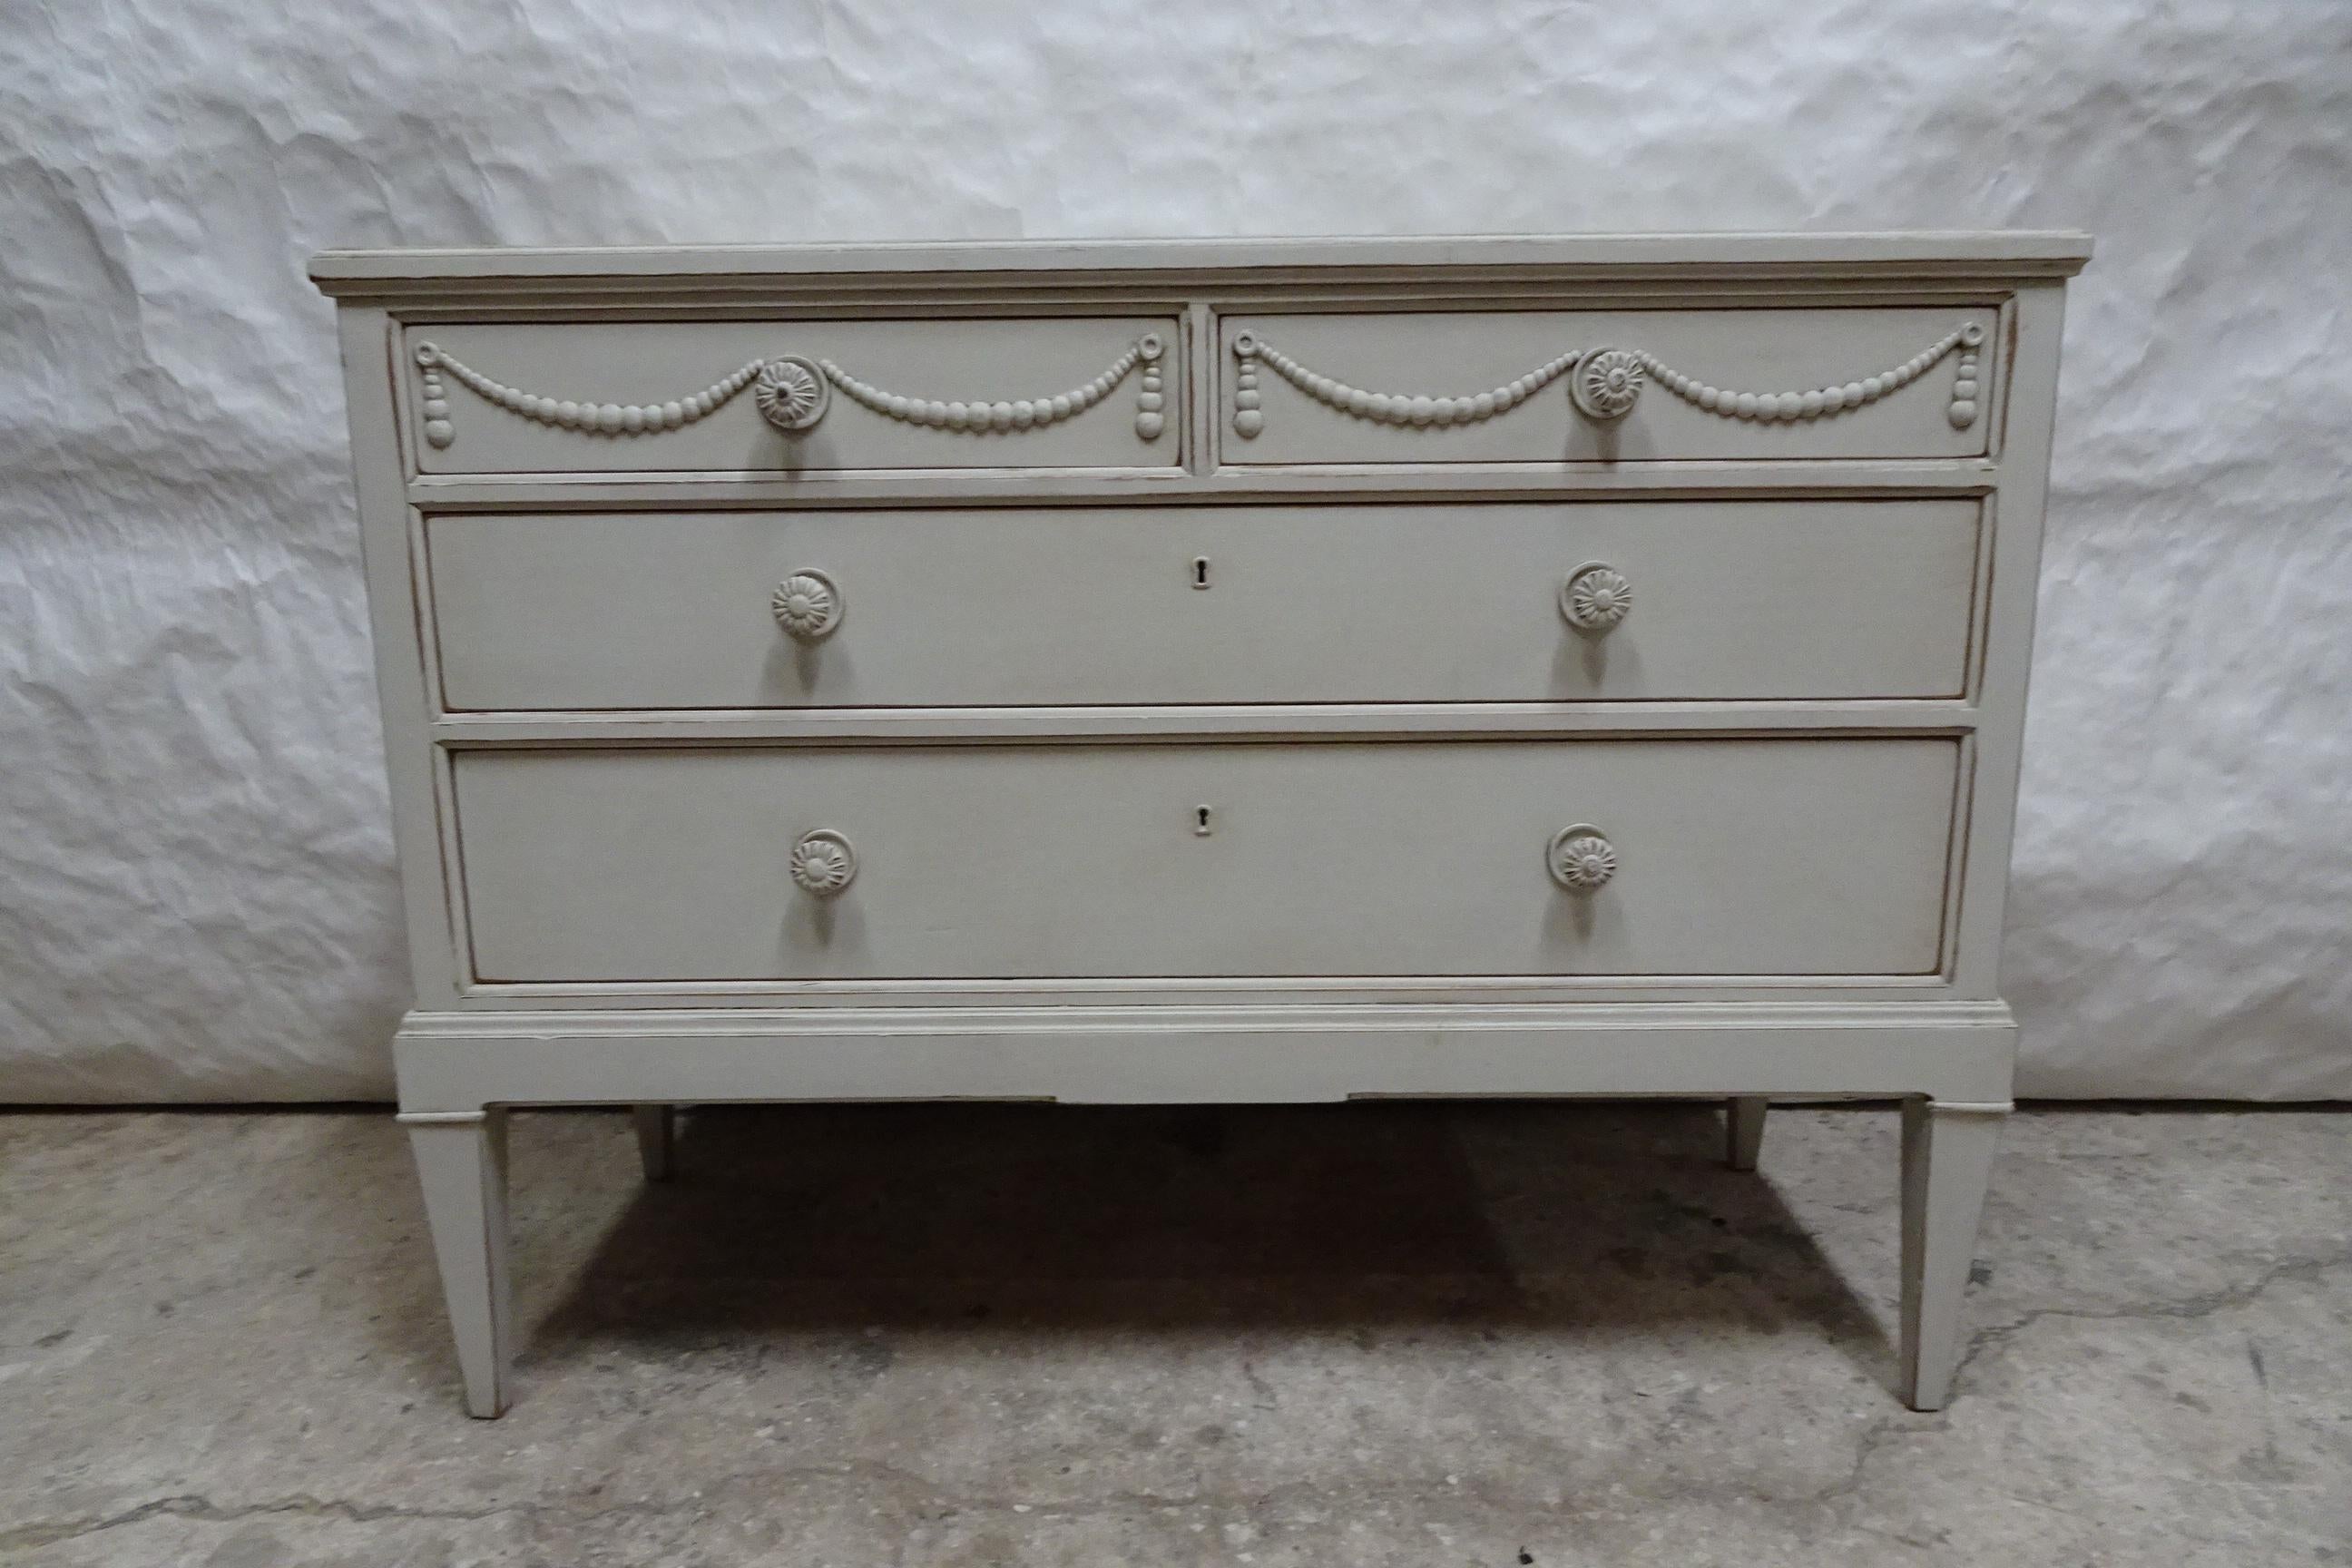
(1606, 383)
(1596, 597)
(1581, 859)
(823, 863)
(791, 393)
(807, 605)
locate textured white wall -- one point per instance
(196, 896)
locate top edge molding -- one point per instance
(1993, 255)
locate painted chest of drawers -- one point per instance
(1255, 671)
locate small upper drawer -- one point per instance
(1465, 386)
(795, 396)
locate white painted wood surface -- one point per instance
(1134, 1053)
(1801, 745)
(1794, 261)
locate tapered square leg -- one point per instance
(1947, 1165)
(657, 1140)
(1743, 1124)
(461, 1159)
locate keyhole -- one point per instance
(1200, 821)
(1201, 577)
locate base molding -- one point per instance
(1959, 1053)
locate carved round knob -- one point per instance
(1605, 382)
(807, 605)
(1595, 597)
(823, 863)
(792, 392)
(1581, 859)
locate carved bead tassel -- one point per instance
(1964, 379)
(1150, 419)
(438, 430)
(1248, 418)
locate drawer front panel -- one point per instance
(1732, 858)
(1302, 604)
(1077, 393)
(1504, 387)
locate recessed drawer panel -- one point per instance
(1593, 601)
(1601, 857)
(1619, 386)
(795, 396)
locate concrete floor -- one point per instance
(1342, 1336)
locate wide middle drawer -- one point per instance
(1459, 602)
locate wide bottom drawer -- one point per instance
(1690, 858)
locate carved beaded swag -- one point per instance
(794, 393)
(1603, 384)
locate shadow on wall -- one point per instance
(790, 1222)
